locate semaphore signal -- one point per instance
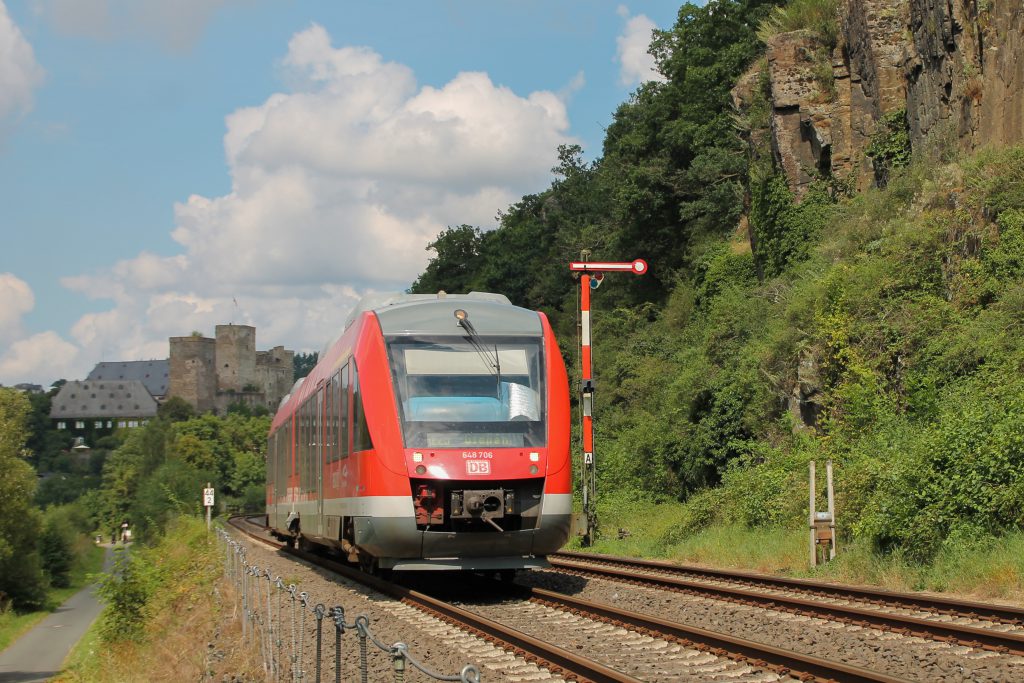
(592, 274)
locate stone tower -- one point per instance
(236, 357)
(193, 374)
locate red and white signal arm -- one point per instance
(208, 498)
(637, 267)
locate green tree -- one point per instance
(176, 409)
(303, 363)
(21, 577)
(455, 266)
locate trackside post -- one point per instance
(591, 275)
(208, 503)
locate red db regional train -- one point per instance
(433, 434)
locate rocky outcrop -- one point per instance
(965, 76)
(955, 66)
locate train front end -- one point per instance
(481, 398)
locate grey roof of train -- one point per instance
(153, 373)
(405, 313)
(103, 399)
(436, 315)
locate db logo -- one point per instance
(478, 467)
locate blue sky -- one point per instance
(165, 167)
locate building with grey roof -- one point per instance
(155, 374)
(96, 408)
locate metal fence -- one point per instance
(274, 621)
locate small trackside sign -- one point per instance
(478, 467)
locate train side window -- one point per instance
(272, 461)
(328, 408)
(346, 445)
(360, 430)
(311, 441)
(333, 406)
(289, 462)
(304, 436)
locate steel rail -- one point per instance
(757, 654)
(571, 665)
(557, 660)
(962, 634)
(951, 606)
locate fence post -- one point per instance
(398, 661)
(338, 614)
(319, 611)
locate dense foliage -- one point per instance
(879, 330)
(22, 581)
(160, 470)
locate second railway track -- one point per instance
(991, 627)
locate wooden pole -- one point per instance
(814, 549)
(831, 510)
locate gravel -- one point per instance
(437, 645)
(897, 655)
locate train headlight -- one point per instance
(534, 457)
(461, 315)
(420, 469)
(417, 456)
(533, 469)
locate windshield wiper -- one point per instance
(493, 362)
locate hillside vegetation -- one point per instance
(881, 330)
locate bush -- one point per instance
(146, 582)
(890, 146)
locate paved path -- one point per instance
(38, 655)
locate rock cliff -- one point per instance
(955, 66)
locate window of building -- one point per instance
(110, 423)
(121, 424)
(132, 424)
(62, 425)
(98, 424)
(79, 424)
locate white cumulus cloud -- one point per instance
(338, 183)
(20, 74)
(636, 65)
(39, 358)
(16, 299)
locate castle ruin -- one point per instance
(211, 374)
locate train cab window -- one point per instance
(360, 430)
(485, 392)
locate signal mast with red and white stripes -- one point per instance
(591, 275)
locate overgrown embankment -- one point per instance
(906, 315)
(168, 615)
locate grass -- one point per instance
(991, 568)
(184, 618)
(13, 625)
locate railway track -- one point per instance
(654, 648)
(990, 627)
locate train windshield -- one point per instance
(480, 392)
